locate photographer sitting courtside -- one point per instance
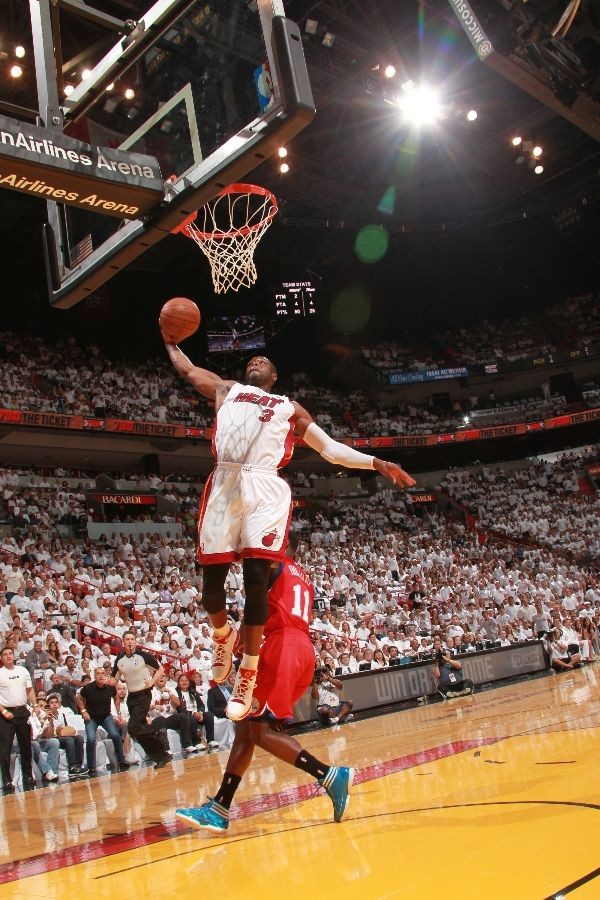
(447, 671)
(325, 690)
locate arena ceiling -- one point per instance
(435, 192)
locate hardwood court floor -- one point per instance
(494, 796)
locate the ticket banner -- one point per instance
(40, 419)
(21, 417)
(145, 429)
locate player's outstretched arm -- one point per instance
(205, 382)
(342, 455)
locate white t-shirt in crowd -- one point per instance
(14, 684)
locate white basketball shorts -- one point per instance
(245, 512)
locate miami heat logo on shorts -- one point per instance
(269, 538)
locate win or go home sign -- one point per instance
(52, 166)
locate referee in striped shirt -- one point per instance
(140, 670)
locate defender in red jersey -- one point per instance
(287, 658)
(286, 668)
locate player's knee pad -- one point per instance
(213, 587)
(256, 581)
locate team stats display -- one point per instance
(294, 299)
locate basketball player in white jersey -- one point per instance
(246, 508)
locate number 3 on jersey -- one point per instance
(266, 415)
(298, 608)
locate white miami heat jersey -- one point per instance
(254, 428)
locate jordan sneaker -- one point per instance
(211, 817)
(223, 651)
(337, 782)
(240, 702)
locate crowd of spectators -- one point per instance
(542, 502)
(38, 503)
(387, 581)
(576, 322)
(353, 414)
(68, 379)
(577, 319)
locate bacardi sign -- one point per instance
(124, 499)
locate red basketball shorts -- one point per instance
(285, 669)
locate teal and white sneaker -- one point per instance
(337, 782)
(211, 816)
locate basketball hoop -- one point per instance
(227, 230)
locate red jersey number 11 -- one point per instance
(298, 609)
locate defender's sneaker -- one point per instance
(211, 816)
(337, 782)
(240, 702)
(223, 651)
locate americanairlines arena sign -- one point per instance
(52, 166)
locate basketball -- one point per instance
(179, 318)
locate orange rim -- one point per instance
(237, 188)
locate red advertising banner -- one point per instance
(40, 419)
(162, 429)
(148, 429)
(590, 415)
(493, 431)
(124, 499)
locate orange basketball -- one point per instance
(179, 318)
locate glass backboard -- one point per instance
(210, 99)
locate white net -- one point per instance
(227, 231)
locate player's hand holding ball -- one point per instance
(179, 319)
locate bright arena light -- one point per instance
(472, 115)
(111, 86)
(537, 151)
(284, 168)
(420, 105)
(69, 90)
(389, 71)
(16, 71)
(19, 52)
(129, 94)
(516, 141)
(86, 74)
(538, 169)
(282, 152)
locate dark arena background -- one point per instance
(428, 290)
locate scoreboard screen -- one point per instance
(294, 299)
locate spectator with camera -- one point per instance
(447, 670)
(63, 726)
(560, 653)
(326, 691)
(45, 749)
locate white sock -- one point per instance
(221, 632)
(249, 662)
